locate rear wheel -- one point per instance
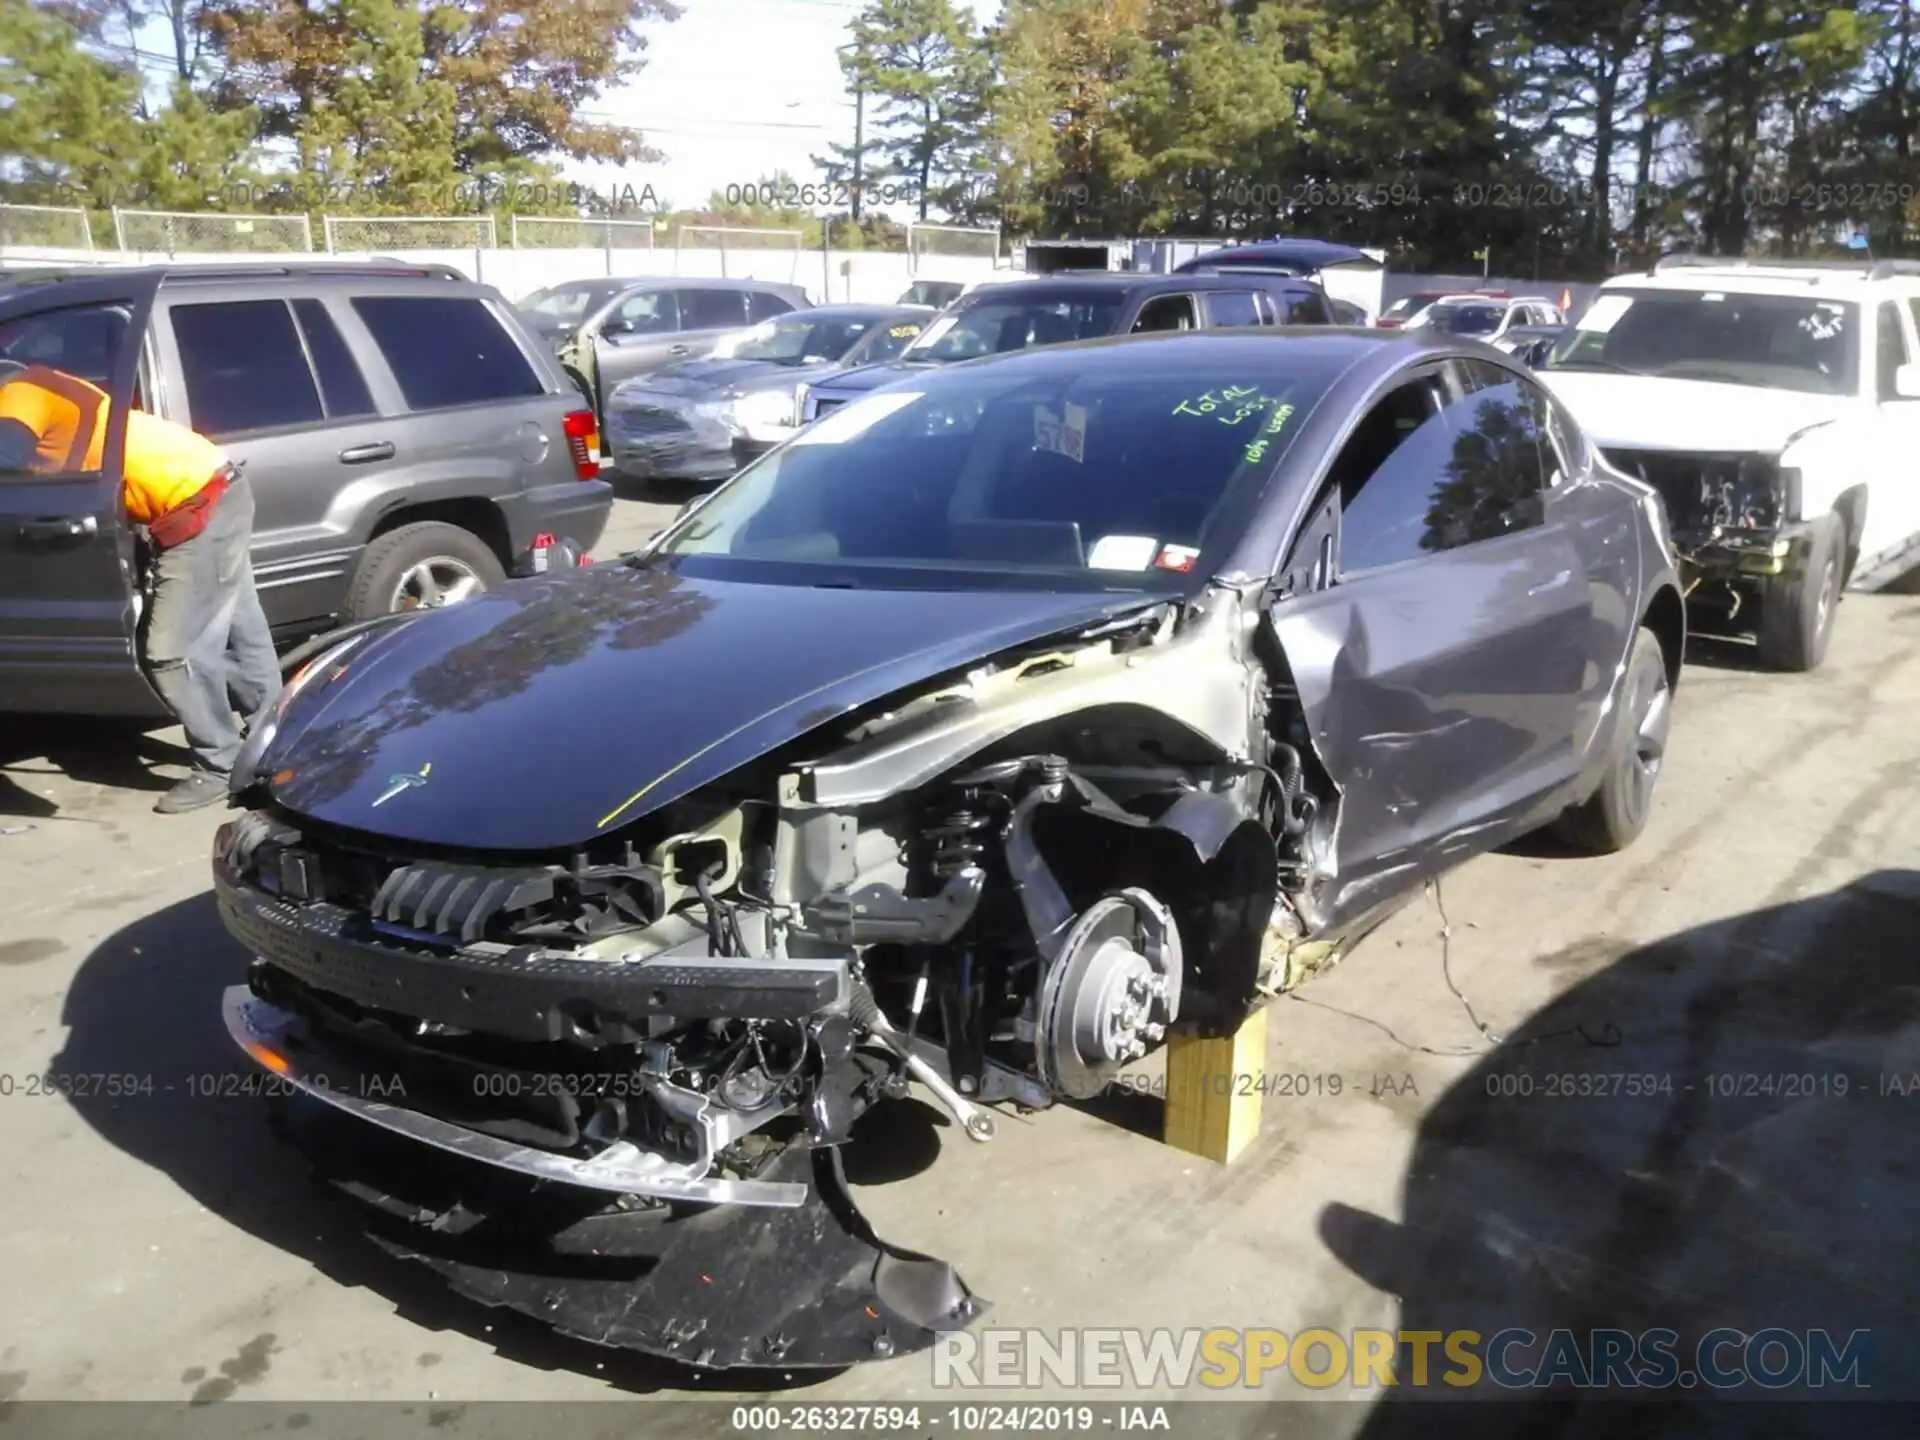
(1614, 815)
(422, 566)
(1796, 619)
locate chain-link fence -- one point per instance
(201, 233)
(554, 232)
(356, 233)
(55, 227)
(745, 252)
(958, 242)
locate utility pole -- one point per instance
(859, 142)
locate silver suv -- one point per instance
(407, 440)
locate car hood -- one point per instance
(1653, 413)
(552, 710)
(708, 379)
(872, 377)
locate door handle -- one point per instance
(1554, 584)
(56, 528)
(364, 454)
(679, 350)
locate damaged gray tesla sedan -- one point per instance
(979, 736)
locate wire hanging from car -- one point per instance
(1609, 1036)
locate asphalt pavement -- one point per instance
(1427, 1170)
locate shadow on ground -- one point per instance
(147, 1001)
(117, 754)
(1745, 1157)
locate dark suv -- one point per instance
(406, 438)
(1081, 305)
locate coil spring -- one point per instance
(957, 839)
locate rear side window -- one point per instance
(447, 351)
(1166, 312)
(244, 367)
(1231, 307)
(712, 309)
(1305, 307)
(1892, 349)
(342, 386)
(765, 305)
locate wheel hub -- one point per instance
(434, 583)
(1109, 994)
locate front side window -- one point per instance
(1776, 342)
(447, 351)
(1430, 469)
(1060, 481)
(244, 367)
(650, 312)
(56, 373)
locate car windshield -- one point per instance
(802, 338)
(994, 327)
(1063, 478)
(1466, 319)
(886, 342)
(1783, 342)
(568, 302)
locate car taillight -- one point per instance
(583, 443)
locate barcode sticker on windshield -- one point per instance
(1061, 435)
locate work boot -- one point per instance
(198, 790)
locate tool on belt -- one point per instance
(192, 515)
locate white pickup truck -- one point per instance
(1776, 407)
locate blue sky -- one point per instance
(734, 90)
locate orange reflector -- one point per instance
(272, 1059)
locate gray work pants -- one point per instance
(207, 648)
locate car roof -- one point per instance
(82, 285)
(1120, 283)
(1755, 280)
(1312, 254)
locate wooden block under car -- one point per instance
(1213, 1090)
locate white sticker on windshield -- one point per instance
(1061, 434)
(853, 420)
(1825, 322)
(1604, 314)
(1122, 552)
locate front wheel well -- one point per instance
(480, 518)
(1851, 507)
(1666, 616)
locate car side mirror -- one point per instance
(616, 327)
(1906, 382)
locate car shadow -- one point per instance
(1743, 1157)
(146, 1002)
(654, 490)
(114, 754)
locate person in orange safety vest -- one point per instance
(205, 646)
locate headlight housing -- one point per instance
(765, 415)
(321, 668)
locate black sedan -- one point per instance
(703, 419)
(988, 730)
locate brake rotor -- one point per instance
(1112, 990)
